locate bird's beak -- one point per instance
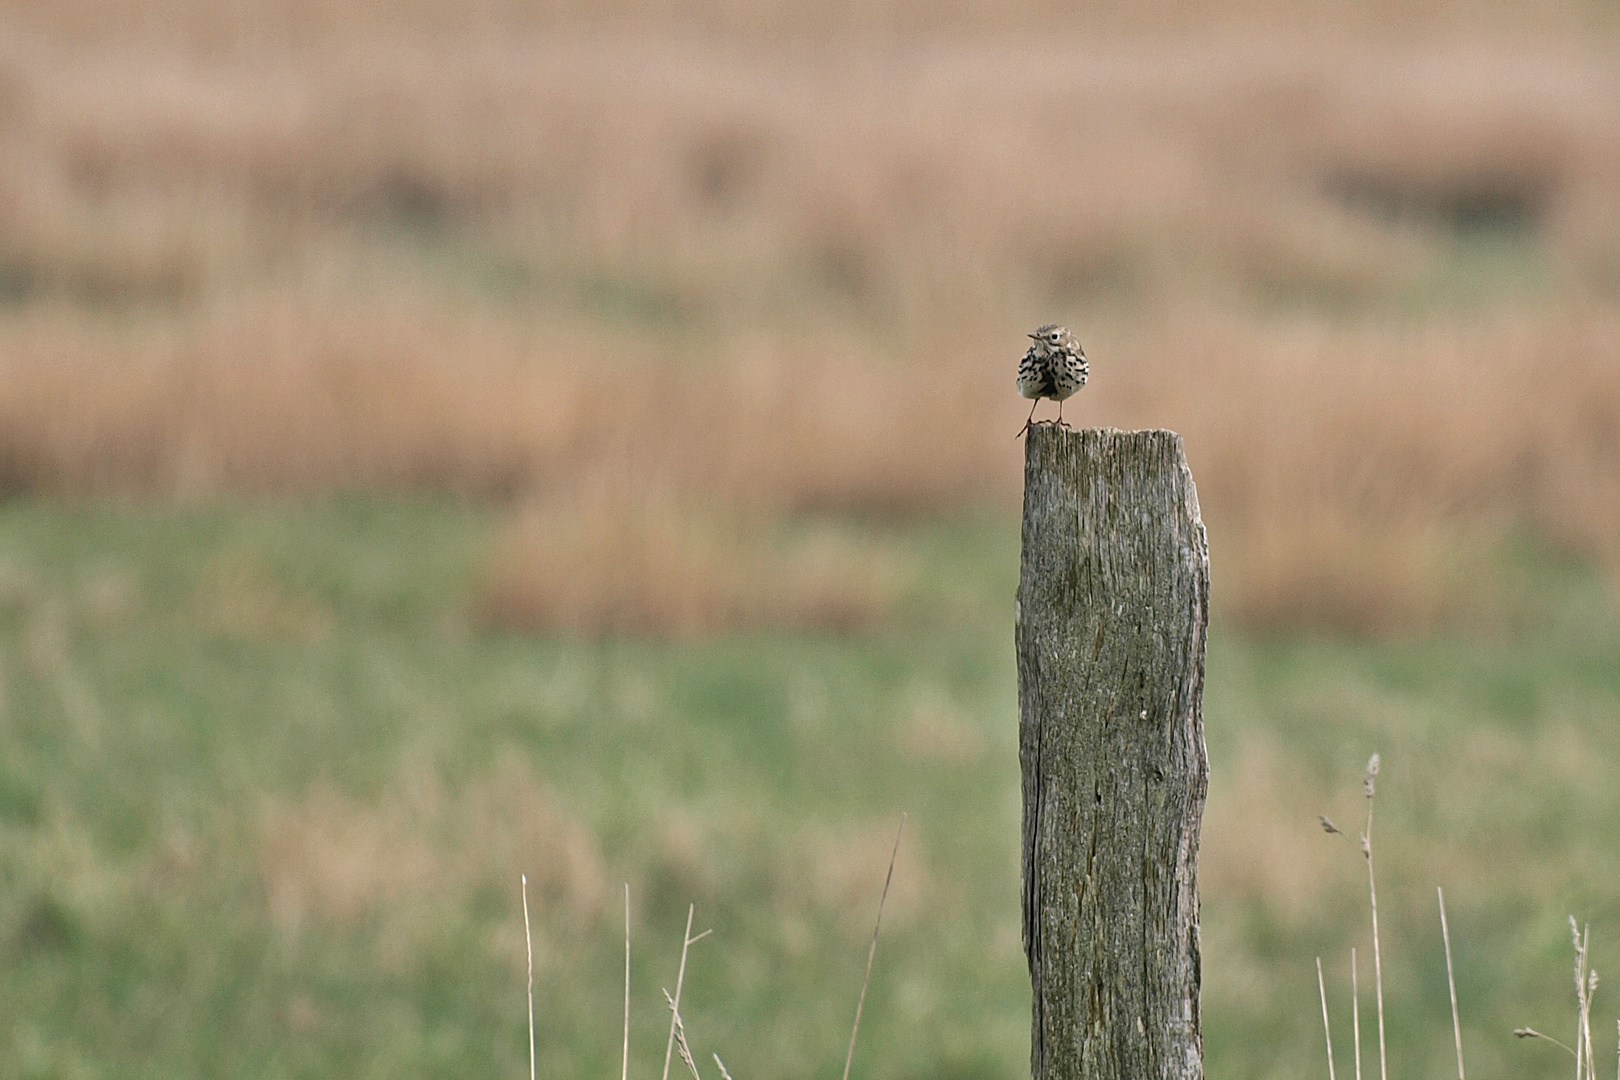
(1037, 337)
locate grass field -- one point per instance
(1373, 281)
(268, 787)
(441, 442)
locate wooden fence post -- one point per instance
(1113, 603)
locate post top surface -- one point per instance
(1047, 442)
(1049, 430)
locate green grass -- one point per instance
(266, 790)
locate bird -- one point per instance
(1054, 367)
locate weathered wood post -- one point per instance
(1113, 604)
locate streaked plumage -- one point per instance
(1054, 367)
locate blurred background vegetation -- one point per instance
(442, 441)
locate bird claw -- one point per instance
(1028, 424)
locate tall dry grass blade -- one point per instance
(1580, 982)
(1532, 1033)
(1369, 785)
(680, 977)
(1586, 1023)
(1451, 981)
(1327, 1032)
(724, 1075)
(872, 952)
(1581, 1003)
(528, 948)
(1355, 1011)
(1586, 981)
(624, 1071)
(1586, 991)
(680, 1037)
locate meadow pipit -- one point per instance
(1054, 367)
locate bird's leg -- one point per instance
(1060, 422)
(1031, 421)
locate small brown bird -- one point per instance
(1054, 367)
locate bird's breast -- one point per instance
(1034, 381)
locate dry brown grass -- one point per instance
(620, 556)
(297, 400)
(1258, 843)
(281, 400)
(332, 858)
(897, 181)
(1352, 478)
(214, 24)
(791, 276)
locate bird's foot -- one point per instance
(1031, 424)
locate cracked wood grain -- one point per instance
(1113, 603)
